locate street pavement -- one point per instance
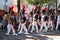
(51, 35)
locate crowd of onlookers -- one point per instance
(35, 21)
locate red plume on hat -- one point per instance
(12, 7)
(23, 7)
(45, 8)
(36, 6)
(9, 8)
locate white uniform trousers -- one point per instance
(43, 24)
(23, 27)
(58, 22)
(50, 24)
(19, 27)
(34, 25)
(9, 27)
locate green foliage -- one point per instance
(41, 2)
(34, 2)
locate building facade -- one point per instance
(4, 4)
(58, 3)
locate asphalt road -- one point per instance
(51, 35)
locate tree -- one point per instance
(18, 5)
(37, 2)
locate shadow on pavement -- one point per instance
(24, 37)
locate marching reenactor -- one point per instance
(50, 22)
(43, 23)
(58, 20)
(10, 26)
(23, 26)
(34, 23)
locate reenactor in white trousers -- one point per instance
(43, 23)
(9, 27)
(50, 24)
(58, 20)
(34, 25)
(22, 26)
